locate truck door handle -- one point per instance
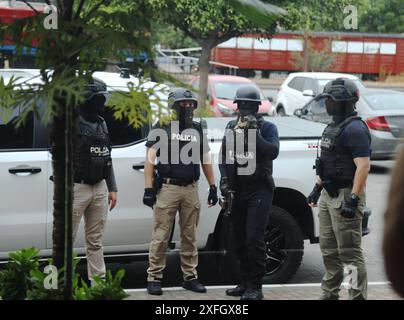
(24, 169)
(138, 166)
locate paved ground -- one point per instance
(311, 269)
(377, 291)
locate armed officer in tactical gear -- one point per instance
(249, 141)
(94, 181)
(342, 167)
(179, 148)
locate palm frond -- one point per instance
(260, 13)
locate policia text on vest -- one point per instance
(186, 147)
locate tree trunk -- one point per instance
(203, 74)
(69, 148)
(62, 161)
(305, 52)
(58, 166)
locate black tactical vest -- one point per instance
(186, 141)
(263, 164)
(337, 165)
(93, 154)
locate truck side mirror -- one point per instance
(308, 93)
(298, 113)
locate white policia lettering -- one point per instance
(104, 151)
(184, 137)
(172, 310)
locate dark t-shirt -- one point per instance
(152, 139)
(355, 138)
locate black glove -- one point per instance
(315, 194)
(252, 122)
(212, 197)
(349, 207)
(224, 186)
(149, 197)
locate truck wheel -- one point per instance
(284, 250)
(281, 111)
(284, 246)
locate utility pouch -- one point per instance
(331, 189)
(157, 181)
(319, 167)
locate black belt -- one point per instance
(84, 181)
(178, 182)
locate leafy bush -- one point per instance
(15, 279)
(38, 291)
(23, 279)
(103, 289)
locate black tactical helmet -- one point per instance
(95, 87)
(248, 94)
(341, 89)
(181, 95)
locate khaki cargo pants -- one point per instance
(91, 201)
(340, 244)
(171, 198)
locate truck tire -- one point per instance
(284, 241)
(285, 247)
(281, 111)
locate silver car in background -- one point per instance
(383, 112)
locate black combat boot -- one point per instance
(237, 291)
(194, 285)
(328, 296)
(154, 288)
(252, 294)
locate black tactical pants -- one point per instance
(249, 218)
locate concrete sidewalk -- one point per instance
(376, 291)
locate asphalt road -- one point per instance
(311, 269)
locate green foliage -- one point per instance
(14, 280)
(169, 36)
(207, 20)
(384, 16)
(82, 43)
(23, 278)
(314, 15)
(38, 291)
(135, 103)
(258, 12)
(103, 289)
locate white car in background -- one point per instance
(300, 87)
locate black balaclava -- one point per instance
(339, 110)
(185, 116)
(93, 107)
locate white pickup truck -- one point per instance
(26, 193)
